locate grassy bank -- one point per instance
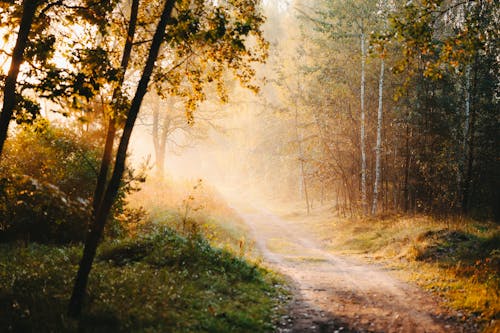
(456, 258)
(156, 282)
(194, 207)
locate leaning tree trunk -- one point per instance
(111, 132)
(101, 215)
(9, 90)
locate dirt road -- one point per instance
(335, 293)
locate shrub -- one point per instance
(49, 179)
(54, 155)
(31, 210)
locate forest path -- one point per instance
(334, 293)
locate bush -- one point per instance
(49, 180)
(56, 156)
(31, 210)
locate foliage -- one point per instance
(57, 155)
(447, 57)
(440, 134)
(205, 42)
(31, 210)
(46, 194)
(39, 71)
(157, 282)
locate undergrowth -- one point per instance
(156, 282)
(194, 207)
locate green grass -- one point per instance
(159, 282)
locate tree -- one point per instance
(448, 52)
(104, 205)
(218, 32)
(378, 147)
(341, 21)
(35, 45)
(9, 89)
(165, 119)
(115, 113)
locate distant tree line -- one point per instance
(391, 105)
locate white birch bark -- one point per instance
(363, 135)
(378, 149)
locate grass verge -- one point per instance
(158, 282)
(456, 258)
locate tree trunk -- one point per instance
(165, 132)
(463, 187)
(111, 132)
(468, 174)
(102, 213)
(156, 136)
(105, 164)
(160, 135)
(378, 149)
(303, 181)
(9, 91)
(406, 185)
(363, 135)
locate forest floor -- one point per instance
(341, 293)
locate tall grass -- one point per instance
(193, 207)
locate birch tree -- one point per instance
(378, 148)
(346, 21)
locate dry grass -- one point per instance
(193, 206)
(456, 258)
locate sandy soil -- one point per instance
(334, 293)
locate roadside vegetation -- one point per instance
(157, 282)
(178, 265)
(194, 207)
(455, 258)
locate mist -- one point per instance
(249, 166)
(241, 150)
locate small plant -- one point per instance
(189, 205)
